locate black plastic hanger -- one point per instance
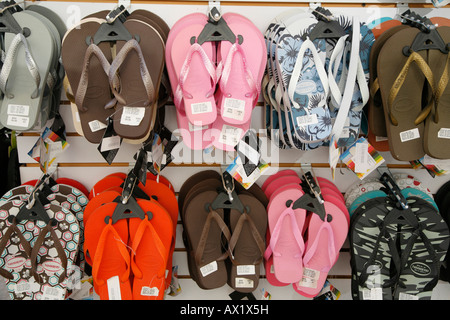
(312, 199)
(9, 24)
(427, 39)
(127, 206)
(227, 197)
(34, 210)
(113, 30)
(326, 27)
(216, 29)
(392, 190)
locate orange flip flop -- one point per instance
(164, 196)
(104, 184)
(106, 245)
(151, 239)
(162, 179)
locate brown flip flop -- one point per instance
(402, 80)
(205, 229)
(247, 244)
(192, 181)
(376, 115)
(139, 65)
(78, 61)
(437, 126)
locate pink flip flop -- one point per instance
(243, 67)
(279, 174)
(286, 245)
(325, 239)
(280, 182)
(195, 136)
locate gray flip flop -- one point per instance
(24, 84)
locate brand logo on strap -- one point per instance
(51, 266)
(15, 263)
(420, 268)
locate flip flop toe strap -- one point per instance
(180, 92)
(49, 229)
(83, 84)
(143, 226)
(9, 60)
(7, 236)
(131, 45)
(398, 83)
(245, 218)
(212, 216)
(296, 232)
(225, 72)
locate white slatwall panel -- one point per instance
(83, 162)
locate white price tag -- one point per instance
(307, 120)
(209, 268)
(110, 143)
(18, 121)
(18, 110)
(409, 135)
(244, 270)
(444, 133)
(243, 283)
(230, 135)
(132, 116)
(233, 109)
(201, 107)
(96, 125)
(113, 285)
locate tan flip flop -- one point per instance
(437, 126)
(402, 80)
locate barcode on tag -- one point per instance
(243, 283)
(132, 116)
(409, 135)
(18, 121)
(307, 120)
(96, 125)
(110, 143)
(22, 287)
(201, 107)
(52, 293)
(444, 133)
(234, 109)
(18, 109)
(406, 296)
(209, 268)
(113, 285)
(149, 292)
(243, 270)
(310, 277)
(373, 294)
(230, 135)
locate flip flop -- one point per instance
(373, 250)
(83, 69)
(204, 230)
(247, 244)
(424, 245)
(137, 100)
(243, 69)
(24, 72)
(401, 80)
(436, 134)
(151, 238)
(286, 241)
(323, 244)
(377, 124)
(106, 245)
(280, 173)
(195, 137)
(74, 183)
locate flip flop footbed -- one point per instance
(55, 253)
